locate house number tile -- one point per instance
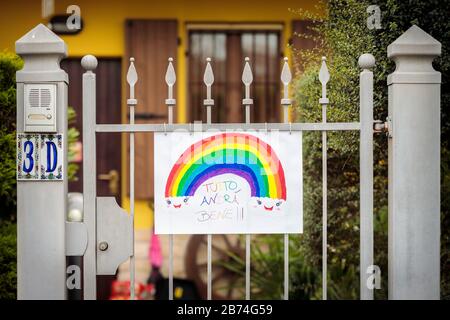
(40, 157)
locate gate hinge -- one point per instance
(386, 127)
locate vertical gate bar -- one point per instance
(209, 236)
(324, 206)
(324, 77)
(247, 79)
(170, 114)
(170, 79)
(247, 265)
(131, 102)
(248, 237)
(208, 114)
(286, 240)
(170, 266)
(286, 114)
(286, 78)
(209, 267)
(247, 114)
(286, 266)
(132, 258)
(208, 79)
(89, 63)
(366, 61)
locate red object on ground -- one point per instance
(120, 290)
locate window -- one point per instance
(227, 49)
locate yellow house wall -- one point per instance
(104, 35)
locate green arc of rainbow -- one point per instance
(241, 154)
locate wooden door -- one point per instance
(108, 111)
(151, 43)
(108, 145)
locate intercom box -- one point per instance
(40, 107)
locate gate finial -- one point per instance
(171, 78)
(324, 77)
(286, 78)
(132, 78)
(208, 79)
(89, 63)
(247, 79)
(366, 61)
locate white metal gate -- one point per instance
(90, 128)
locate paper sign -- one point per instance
(233, 182)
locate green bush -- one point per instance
(267, 265)
(7, 175)
(8, 269)
(73, 137)
(344, 37)
(9, 64)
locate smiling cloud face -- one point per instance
(267, 204)
(177, 202)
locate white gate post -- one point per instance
(414, 167)
(366, 62)
(89, 63)
(41, 205)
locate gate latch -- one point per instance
(114, 236)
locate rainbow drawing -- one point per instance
(240, 154)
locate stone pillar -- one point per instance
(414, 167)
(41, 192)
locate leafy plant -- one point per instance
(73, 136)
(8, 258)
(266, 269)
(9, 64)
(342, 36)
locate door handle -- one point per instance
(113, 177)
